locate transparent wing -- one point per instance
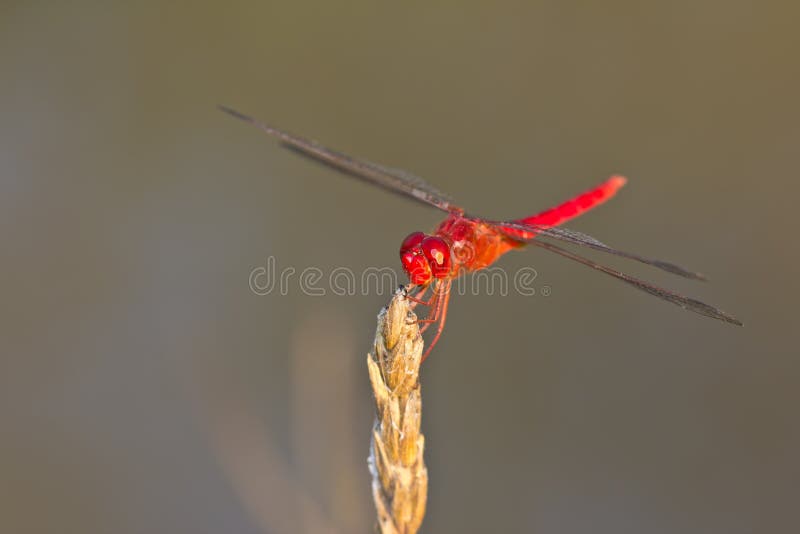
(528, 232)
(664, 294)
(393, 180)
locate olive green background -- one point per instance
(144, 388)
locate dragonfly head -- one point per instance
(424, 258)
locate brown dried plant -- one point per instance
(399, 476)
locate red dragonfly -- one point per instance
(463, 243)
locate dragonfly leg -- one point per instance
(441, 312)
(418, 299)
(434, 303)
(428, 321)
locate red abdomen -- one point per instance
(578, 205)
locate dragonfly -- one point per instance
(464, 243)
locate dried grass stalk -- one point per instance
(399, 476)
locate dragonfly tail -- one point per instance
(577, 205)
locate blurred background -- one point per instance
(145, 387)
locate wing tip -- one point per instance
(233, 113)
(733, 320)
(680, 271)
(715, 313)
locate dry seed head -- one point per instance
(399, 476)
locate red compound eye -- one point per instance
(416, 267)
(437, 252)
(411, 242)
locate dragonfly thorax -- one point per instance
(425, 258)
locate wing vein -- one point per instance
(394, 180)
(523, 232)
(686, 303)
